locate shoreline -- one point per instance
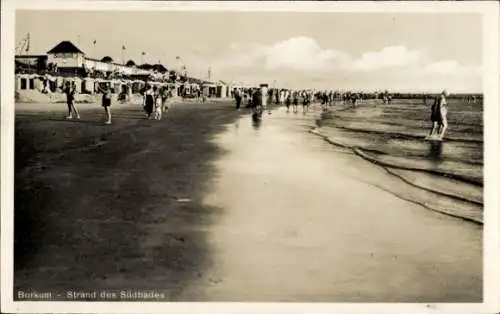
(323, 197)
(391, 170)
(316, 129)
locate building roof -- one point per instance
(65, 47)
(114, 63)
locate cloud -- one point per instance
(296, 53)
(392, 56)
(302, 53)
(302, 61)
(305, 54)
(447, 67)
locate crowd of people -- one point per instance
(155, 102)
(250, 97)
(259, 98)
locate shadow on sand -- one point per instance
(110, 218)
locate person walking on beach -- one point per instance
(198, 94)
(205, 93)
(257, 103)
(164, 98)
(288, 101)
(148, 101)
(264, 95)
(354, 99)
(237, 97)
(305, 102)
(158, 105)
(295, 97)
(439, 119)
(269, 103)
(324, 101)
(106, 100)
(70, 91)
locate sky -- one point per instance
(369, 51)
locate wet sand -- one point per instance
(305, 221)
(203, 208)
(100, 207)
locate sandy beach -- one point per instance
(207, 206)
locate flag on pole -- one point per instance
(123, 48)
(143, 53)
(177, 58)
(94, 42)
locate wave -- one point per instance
(401, 134)
(465, 175)
(446, 187)
(462, 194)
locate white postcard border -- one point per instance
(491, 84)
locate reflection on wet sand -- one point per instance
(303, 222)
(435, 150)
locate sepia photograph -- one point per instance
(166, 153)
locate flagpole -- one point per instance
(93, 48)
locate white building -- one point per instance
(70, 58)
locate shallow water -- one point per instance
(392, 136)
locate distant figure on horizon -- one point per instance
(439, 113)
(70, 91)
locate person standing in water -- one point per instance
(70, 91)
(106, 100)
(439, 116)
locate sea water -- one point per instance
(393, 136)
